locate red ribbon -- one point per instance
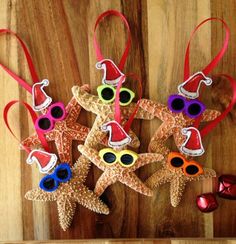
(128, 43)
(33, 117)
(33, 73)
(211, 125)
(216, 59)
(117, 102)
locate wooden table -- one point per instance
(59, 35)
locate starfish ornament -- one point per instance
(172, 124)
(177, 180)
(64, 132)
(67, 194)
(118, 172)
(105, 113)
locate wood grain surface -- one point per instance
(59, 35)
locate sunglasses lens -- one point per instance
(62, 174)
(44, 123)
(57, 112)
(177, 162)
(125, 96)
(107, 94)
(177, 104)
(109, 157)
(192, 169)
(194, 109)
(49, 184)
(127, 159)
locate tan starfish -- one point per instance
(64, 132)
(177, 180)
(118, 172)
(105, 113)
(172, 124)
(67, 194)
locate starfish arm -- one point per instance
(131, 180)
(156, 109)
(135, 143)
(31, 141)
(88, 101)
(78, 132)
(157, 143)
(106, 179)
(93, 156)
(146, 158)
(207, 173)
(160, 177)
(209, 115)
(73, 109)
(81, 168)
(66, 210)
(179, 138)
(90, 200)
(64, 146)
(177, 186)
(40, 195)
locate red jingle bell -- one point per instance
(227, 187)
(207, 202)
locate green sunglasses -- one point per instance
(107, 94)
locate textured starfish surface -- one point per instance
(117, 172)
(68, 194)
(177, 180)
(105, 113)
(64, 132)
(172, 124)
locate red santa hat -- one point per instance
(190, 87)
(193, 142)
(46, 161)
(40, 99)
(117, 135)
(112, 74)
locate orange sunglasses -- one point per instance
(190, 168)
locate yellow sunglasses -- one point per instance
(107, 94)
(126, 158)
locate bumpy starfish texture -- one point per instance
(105, 113)
(177, 180)
(64, 132)
(117, 172)
(172, 124)
(68, 194)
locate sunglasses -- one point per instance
(126, 158)
(192, 109)
(107, 94)
(56, 112)
(190, 168)
(61, 174)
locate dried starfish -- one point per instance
(64, 132)
(105, 113)
(177, 180)
(117, 172)
(68, 194)
(172, 124)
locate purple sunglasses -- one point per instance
(192, 108)
(56, 112)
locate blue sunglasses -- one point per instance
(61, 174)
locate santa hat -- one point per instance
(117, 135)
(190, 87)
(193, 143)
(40, 99)
(46, 161)
(112, 74)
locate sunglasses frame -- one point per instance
(55, 178)
(101, 87)
(187, 103)
(118, 156)
(186, 163)
(49, 116)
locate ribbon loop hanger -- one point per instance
(128, 43)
